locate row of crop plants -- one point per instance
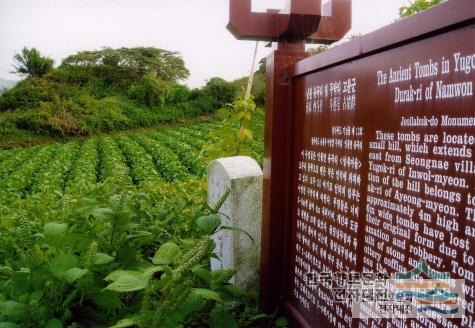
(62, 171)
(170, 154)
(57, 171)
(114, 167)
(113, 231)
(22, 173)
(167, 155)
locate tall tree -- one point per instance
(127, 65)
(417, 6)
(30, 62)
(220, 90)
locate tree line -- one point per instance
(104, 90)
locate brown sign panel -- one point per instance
(383, 176)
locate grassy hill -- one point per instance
(103, 91)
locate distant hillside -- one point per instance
(7, 83)
(103, 91)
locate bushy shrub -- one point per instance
(190, 109)
(205, 104)
(220, 90)
(204, 101)
(177, 93)
(56, 118)
(27, 94)
(7, 125)
(74, 75)
(151, 91)
(108, 114)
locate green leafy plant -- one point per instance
(235, 137)
(417, 6)
(113, 231)
(150, 91)
(31, 63)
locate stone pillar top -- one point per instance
(236, 167)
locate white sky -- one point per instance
(195, 28)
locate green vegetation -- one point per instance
(112, 229)
(29, 62)
(258, 86)
(241, 133)
(115, 231)
(417, 6)
(101, 91)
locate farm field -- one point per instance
(133, 161)
(113, 229)
(127, 162)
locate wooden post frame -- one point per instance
(345, 133)
(278, 136)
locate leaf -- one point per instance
(107, 300)
(128, 284)
(128, 281)
(13, 309)
(165, 278)
(282, 322)
(127, 256)
(220, 275)
(127, 322)
(221, 319)
(54, 229)
(8, 325)
(192, 303)
(202, 273)
(117, 273)
(166, 254)
(259, 317)
(74, 274)
(54, 323)
(36, 296)
(139, 234)
(243, 134)
(236, 229)
(207, 294)
(6, 269)
(243, 115)
(209, 223)
(214, 256)
(101, 213)
(23, 298)
(101, 258)
(62, 263)
(149, 272)
(235, 290)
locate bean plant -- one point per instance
(113, 231)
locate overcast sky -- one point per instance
(195, 28)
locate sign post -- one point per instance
(369, 172)
(298, 22)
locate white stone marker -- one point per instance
(242, 176)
